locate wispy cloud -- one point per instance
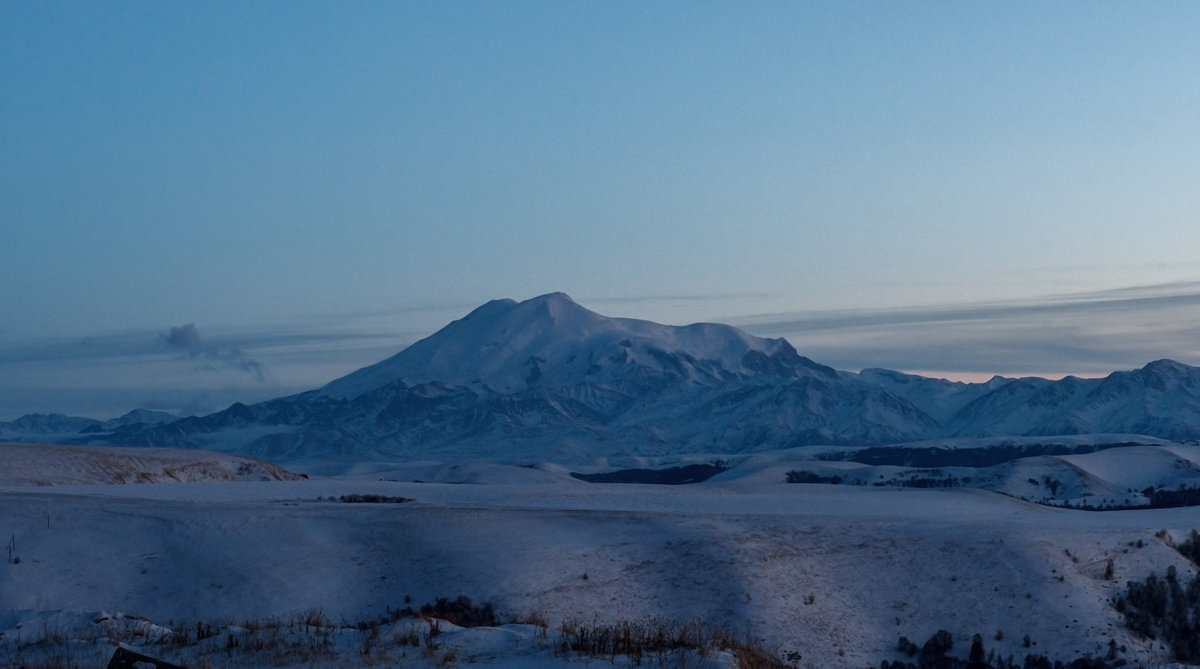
(1082, 333)
(186, 340)
(183, 369)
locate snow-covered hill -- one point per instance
(47, 465)
(830, 575)
(548, 380)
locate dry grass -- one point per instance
(311, 638)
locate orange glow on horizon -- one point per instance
(983, 377)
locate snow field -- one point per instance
(832, 575)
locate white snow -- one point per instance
(497, 345)
(833, 573)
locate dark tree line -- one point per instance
(934, 481)
(1156, 499)
(935, 654)
(1170, 499)
(669, 476)
(906, 456)
(802, 476)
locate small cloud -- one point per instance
(186, 339)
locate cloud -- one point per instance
(103, 375)
(1083, 333)
(186, 339)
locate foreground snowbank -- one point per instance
(829, 574)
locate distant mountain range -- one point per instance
(546, 379)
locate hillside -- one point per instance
(832, 575)
(51, 465)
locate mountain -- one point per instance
(36, 425)
(940, 398)
(45, 428)
(547, 379)
(550, 341)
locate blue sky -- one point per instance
(928, 186)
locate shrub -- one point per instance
(461, 612)
(372, 499)
(1162, 608)
(1190, 548)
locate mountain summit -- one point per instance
(551, 342)
(546, 379)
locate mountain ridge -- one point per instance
(547, 379)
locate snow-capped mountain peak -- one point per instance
(551, 341)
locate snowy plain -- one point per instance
(828, 576)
